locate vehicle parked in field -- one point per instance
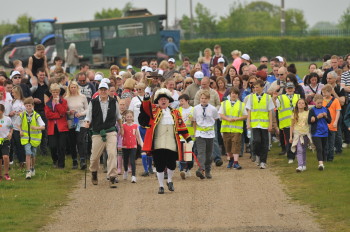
(104, 42)
(41, 32)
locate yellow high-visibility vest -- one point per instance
(260, 111)
(285, 110)
(29, 135)
(188, 122)
(235, 111)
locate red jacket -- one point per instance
(59, 114)
(155, 116)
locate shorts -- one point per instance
(30, 150)
(5, 148)
(232, 142)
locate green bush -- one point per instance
(292, 48)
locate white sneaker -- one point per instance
(125, 175)
(28, 175)
(11, 163)
(321, 167)
(344, 145)
(299, 169)
(257, 160)
(262, 165)
(188, 173)
(290, 161)
(304, 168)
(133, 179)
(32, 172)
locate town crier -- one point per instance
(162, 137)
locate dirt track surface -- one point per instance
(234, 200)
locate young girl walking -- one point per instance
(300, 133)
(131, 137)
(319, 118)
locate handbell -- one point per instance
(149, 81)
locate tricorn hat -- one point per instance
(163, 92)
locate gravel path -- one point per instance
(246, 200)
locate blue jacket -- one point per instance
(319, 128)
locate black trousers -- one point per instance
(320, 144)
(129, 154)
(261, 143)
(290, 154)
(17, 147)
(77, 141)
(57, 144)
(164, 158)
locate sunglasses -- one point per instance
(264, 61)
(280, 74)
(82, 80)
(16, 77)
(179, 82)
(188, 83)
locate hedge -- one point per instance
(292, 48)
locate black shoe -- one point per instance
(170, 186)
(218, 162)
(151, 171)
(161, 190)
(94, 179)
(199, 174)
(113, 182)
(145, 174)
(282, 153)
(83, 165)
(208, 175)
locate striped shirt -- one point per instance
(345, 79)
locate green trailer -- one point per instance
(106, 41)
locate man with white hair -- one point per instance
(103, 114)
(192, 89)
(338, 92)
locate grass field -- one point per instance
(326, 192)
(27, 204)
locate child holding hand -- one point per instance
(131, 137)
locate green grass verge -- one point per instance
(326, 192)
(26, 205)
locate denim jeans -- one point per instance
(330, 145)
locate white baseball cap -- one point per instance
(245, 57)
(14, 73)
(129, 67)
(105, 80)
(221, 60)
(199, 75)
(280, 58)
(148, 69)
(103, 85)
(171, 60)
(98, 77)
(143, 69)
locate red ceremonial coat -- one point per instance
(155, 114)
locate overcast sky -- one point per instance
(77, 10)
